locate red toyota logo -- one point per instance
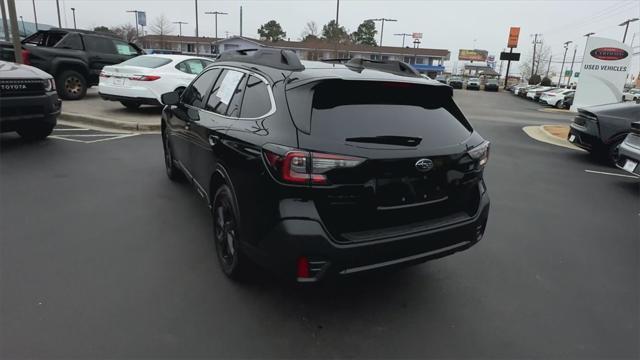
(609, 53)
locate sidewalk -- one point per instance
(93, 111)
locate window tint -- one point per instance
(147, 61)
(195, 94)
(99, 45)
(71, 41)
(224, 92)
(124, 49)
(256, 99)
(351, 110)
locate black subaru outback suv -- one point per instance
(318, 169)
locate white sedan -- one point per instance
(143, 79)
(555, 97)
(631, 95)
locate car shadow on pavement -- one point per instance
(13, 141)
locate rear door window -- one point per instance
(71, 41)
(257, 101)
(100, 45)
(361, 112)
(124, 48)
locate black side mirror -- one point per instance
(170, 98)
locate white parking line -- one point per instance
(608, 173)
(78, 138)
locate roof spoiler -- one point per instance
(276, 58)
(390, 66)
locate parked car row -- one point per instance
(560, 98)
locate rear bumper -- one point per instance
(293, 238)
(21, 111)
(137, 94)
(626, 151)
(583, 139)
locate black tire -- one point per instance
(71, 85)
(173, 172)
(226, 234)
(36, 132)
(560, 104)
(613, 152)
(131, 105)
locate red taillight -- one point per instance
(144, 77)
(26, 57)
(305, 167)
(303, 268)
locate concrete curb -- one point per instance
(557, 111)
(108, 123)
(540, 134)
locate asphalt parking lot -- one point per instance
(102, 256)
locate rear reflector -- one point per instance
(303, 268)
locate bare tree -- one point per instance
(126, 32)
(162, 26)
(543, 54)
(310, 31)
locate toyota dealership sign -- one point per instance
(605, 66)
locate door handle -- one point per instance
(213, 140)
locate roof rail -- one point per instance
(390, 66)
(336, 60)
(276, 58)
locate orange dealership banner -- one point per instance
(514, 34)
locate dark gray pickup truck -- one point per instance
(73, 57)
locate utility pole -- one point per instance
(35, 16)
(566, 47)
(24, 29)
(180, 23)
(337, 11)
(626, 27)
(197, 36)
(575, 49)
(533, 61)
(135, 12)
(215, 14)
(240, 20)
(404, 35)
(58, 8)
(549, 66)
(5, 24)
(382, 28)
(15, 33)
(73, 10)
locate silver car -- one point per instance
(629, 151)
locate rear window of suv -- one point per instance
(146, 61)
(343, 110)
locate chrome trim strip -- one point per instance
(401, 260)
(395, 207)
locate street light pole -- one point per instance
(626, 27)
(15, 33)
(5, 24)
(73, 10)
(404, 35)
(337, 11)
(58, 8)
(215, 14)
(35, 16)
(382, 27)
(24, 30)
(566, 47)
(180, 31)
(135, 13)
(575, 49)
(197, 36)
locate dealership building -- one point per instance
(428, 61)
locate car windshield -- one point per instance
(147, 61)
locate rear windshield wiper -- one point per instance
(387, 140)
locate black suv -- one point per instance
(316, 169)
(74, 57)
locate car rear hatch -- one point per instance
(141, 68)
(413, 141)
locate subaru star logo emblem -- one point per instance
(424, 165)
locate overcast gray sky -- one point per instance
(448, 25)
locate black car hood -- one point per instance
(10, 70)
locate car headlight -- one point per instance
(480, 153)
(49, 84)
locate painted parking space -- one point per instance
(86, 135)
